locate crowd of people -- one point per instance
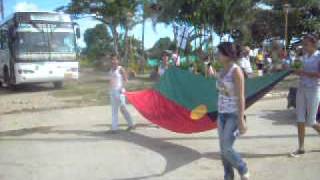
(253, 62)
(237, 63)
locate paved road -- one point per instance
(72, 144)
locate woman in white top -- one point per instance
(117, 97)
(308, 94)
(231, 105)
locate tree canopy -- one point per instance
(303, 17)
(160, 46)
(248, 22)
(98, 42)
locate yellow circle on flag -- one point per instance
(199, 112)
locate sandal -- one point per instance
(297, 153)
(245, 176)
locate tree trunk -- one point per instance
(175, 34)
(199, 33)
(142, 61)
(126, 46)
(289, 40)
(115, 38)
(212, 41)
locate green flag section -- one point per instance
(186, 103)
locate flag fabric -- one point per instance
(186, 103)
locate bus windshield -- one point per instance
(44, 42)
(62, 42)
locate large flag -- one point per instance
(186, 103)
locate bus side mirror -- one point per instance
(78, 34)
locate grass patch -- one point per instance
(95, 92)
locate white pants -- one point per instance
(118, 102)
(307, 105)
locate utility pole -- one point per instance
(2, 9)
(286, 7)
(143, 29)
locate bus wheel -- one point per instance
(6, 82)
(13, 87)
(58, 85)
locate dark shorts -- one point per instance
(259, 66)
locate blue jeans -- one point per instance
(227, 126)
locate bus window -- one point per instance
(32, 42)
(62, 42)
(4, 39)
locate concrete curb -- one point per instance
(272, 95)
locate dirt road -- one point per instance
(72, 144)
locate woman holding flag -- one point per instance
(231, 105)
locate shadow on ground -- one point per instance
(27, 88)
(176, 156)
(280, 117)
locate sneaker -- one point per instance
(112, 132)
(131, 128)
(297, 153)
(246, 176)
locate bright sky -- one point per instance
(151, 35)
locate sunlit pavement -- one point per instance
(74, 144)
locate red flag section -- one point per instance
(168, 114)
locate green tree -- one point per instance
(160, 46)
(303, 17)
(98, 43)
(114, 14)
(222, 16)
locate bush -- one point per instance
(131, 74)
(85, 62)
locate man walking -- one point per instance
(118, 78)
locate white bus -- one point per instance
(38, 47)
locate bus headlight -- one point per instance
(23, 71)
(73, 70)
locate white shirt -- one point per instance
(176, 59)
(245, 64)
(311, 64)
(227, 99)
(162, 69)
(116, 79)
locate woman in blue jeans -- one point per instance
(231, 105)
